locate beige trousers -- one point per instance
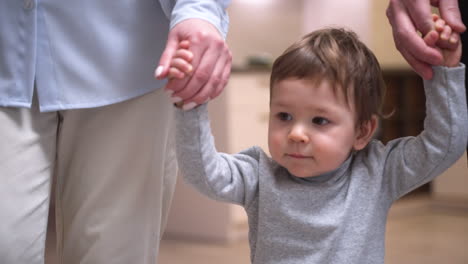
(115, 173)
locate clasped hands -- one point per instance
(208, 64)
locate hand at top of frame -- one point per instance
(407, 17)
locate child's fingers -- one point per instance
(446, 33)
(439, 25)
(184, 54)
(452, 42)
(444, 38)
(175, 73)
(181, 65)
(454, 38)
(448, 39)
(184, 44)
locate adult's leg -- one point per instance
(27, 154)
(116, 174)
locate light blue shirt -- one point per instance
(88, 53)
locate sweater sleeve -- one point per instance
(220, 176)
(413, 161)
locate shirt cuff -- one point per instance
(212, 11)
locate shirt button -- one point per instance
(28, 4)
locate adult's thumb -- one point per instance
(162, 70)
(450, 12)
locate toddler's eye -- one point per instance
(284, 116)
(320, 121)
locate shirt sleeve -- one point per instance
(220, 176)
(213, 11)
(413, 161)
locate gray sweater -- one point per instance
(338, 217)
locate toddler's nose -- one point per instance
(298, 134)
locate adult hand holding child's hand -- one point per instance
(211, 63)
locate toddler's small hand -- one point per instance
(180, 65)
(446, 40)
(180, 68)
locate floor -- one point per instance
(417, 232)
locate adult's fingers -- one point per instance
(224, 78)
(412, 47)
(422, 68)
(201, 40)
(431, 38)
(216, 81)
(209, 49)
(450, 12)
(177, 86)
(207, 75)
(406, 39)
(419, 11)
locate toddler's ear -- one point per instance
(365, 133)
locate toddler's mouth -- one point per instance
(297, 156)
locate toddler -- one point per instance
(324, 194)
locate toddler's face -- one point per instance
(311, 130)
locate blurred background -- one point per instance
(429, 225)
